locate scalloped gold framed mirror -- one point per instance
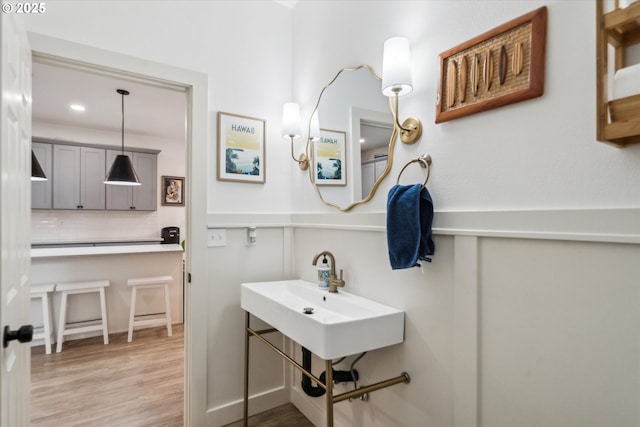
(351, 104)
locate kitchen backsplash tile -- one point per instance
(93, 226)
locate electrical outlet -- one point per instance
(216, 237)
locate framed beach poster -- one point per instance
(329, 158)
(241, 152)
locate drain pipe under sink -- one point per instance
(317, 391)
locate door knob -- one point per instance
(23, 334)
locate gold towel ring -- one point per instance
(425, 162)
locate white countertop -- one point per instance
(103, 250)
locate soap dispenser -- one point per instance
(324, 271)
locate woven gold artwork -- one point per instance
(521, 36)
(502, 66)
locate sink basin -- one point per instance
(340, 325)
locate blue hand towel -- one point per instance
(409, 219)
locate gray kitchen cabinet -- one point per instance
(142, 197)
(78, 177)
(41, 190)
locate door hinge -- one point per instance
(189, 277)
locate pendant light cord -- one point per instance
(122, 123)
(123, 93)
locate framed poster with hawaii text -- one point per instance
(241, 150)
(329, 158)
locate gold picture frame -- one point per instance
(330, 158)
(241, 148)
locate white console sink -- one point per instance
(341, 324)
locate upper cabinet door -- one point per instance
(92, 176)
(78, 177)
(41, 190)
(66, 177)
(145, 196)
(141, 198)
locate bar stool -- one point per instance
(42, 292)
(149, 283)
(75, 288)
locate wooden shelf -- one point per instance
(618, 121)
(622, 20)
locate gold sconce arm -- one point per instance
(411, 128)
(303, 160)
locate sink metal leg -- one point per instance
(329, 390)
(247, 335)
(327, 385)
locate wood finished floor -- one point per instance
(120, 384)
(137, 384)
(285, 415)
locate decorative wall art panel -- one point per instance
(500, 67)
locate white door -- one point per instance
(15, 214)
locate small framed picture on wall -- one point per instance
(329, 155)
(172, 191)
(241, 152)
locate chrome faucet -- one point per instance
(334, 282)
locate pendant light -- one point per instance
(122, 172)
(37, 174)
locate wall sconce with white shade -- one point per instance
(122, 172)
(314, 127)
(291, 129)
(397, 81)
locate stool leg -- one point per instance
(46, 322)
(132, 311)
(167, 308)
(62, 322)
(103, 308)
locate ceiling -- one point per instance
(375, 136)
(150, 109)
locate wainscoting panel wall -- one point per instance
(518, 320)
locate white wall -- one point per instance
(523, 318)
(244, 47)
(500, 331)
(536, 154)
(229, 267)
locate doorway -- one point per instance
(194, 86)
(74, 104)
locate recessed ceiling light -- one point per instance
(77, 107)
(361, 140)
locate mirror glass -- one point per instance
(355, 149)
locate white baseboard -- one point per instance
(314, 412)
(314, 408)
(231, 412)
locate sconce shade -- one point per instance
(122, 172)
(396, 67)
(37, 174)
(291, 121)
(314, 127)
